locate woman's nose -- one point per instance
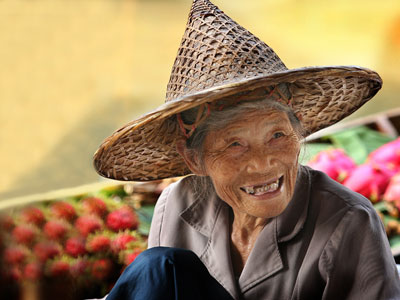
(260, 159)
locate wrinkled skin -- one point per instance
(255, 149)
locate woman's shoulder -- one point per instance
(168, 218)
(167, 210)
(344, 214)
(179, 193)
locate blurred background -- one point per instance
(72, 72)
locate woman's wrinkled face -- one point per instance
(253, 162)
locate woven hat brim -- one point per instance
(145, 149)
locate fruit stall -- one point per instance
(74, 243)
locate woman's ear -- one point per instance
(190, 157)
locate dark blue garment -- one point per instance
(170, 274)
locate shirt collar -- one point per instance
(202, 214)
(291, 221)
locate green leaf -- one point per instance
(145, 214)
(394, 241)
(113, 191)
(381, 207)
(358, 142)
(387, 219)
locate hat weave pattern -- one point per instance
(217, 60)
(215, 50)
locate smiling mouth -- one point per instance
(263, 188)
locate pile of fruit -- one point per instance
(75, 247)
(377, 178)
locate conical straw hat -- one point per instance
(217, 59)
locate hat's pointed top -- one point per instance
(201, 7)
(215, 50)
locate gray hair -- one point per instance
(217, 120)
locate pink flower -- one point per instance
(369, 180)
(121, 219)
(334, 162)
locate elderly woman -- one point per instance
(250, 222)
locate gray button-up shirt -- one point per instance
(329, 243)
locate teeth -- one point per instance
(249, 190)
(259, 190)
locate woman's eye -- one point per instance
(277, 135)
(235, 144)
